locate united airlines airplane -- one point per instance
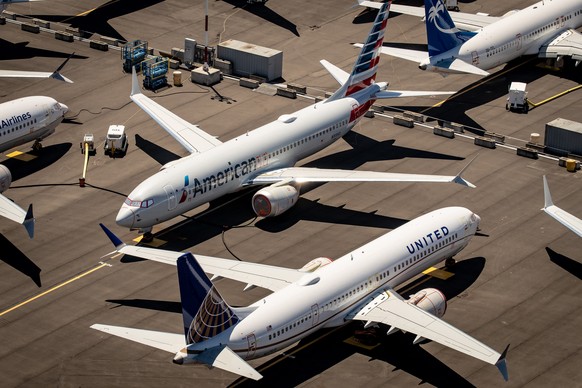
(323, 294)
(546, 29)
(563, 217)
(21, 121)
(266, 155)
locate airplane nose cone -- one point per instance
(125, 217)
(64, 108)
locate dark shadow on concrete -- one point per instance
(18, 260)
(487, 89)
(157, 305)
(306, 210)
(154, 151)
(265, 13)
(572, 266)
(21, 50)
(20, 167)
(97, 20)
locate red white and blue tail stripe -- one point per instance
(364, 71)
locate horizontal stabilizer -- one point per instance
(168, 342)
(463, 67)
(340, 76)
(563, 217)
(29, 222)
(224, 358)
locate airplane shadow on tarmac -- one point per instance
(572, 266)
(18, 260)
(488, 89)
(96, 21)
(263, 11)
(21, 50)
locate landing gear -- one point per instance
(37, 146)
(147, 237)
(450, 262)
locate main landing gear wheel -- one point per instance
(147, 237)
(450, 262)
(37, 146)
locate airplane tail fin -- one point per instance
(204, 311)
(364, 71)
(441, 32)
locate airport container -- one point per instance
(249, 59)
(563, 137)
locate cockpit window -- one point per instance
(143, 204)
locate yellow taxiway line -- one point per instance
(54, 288)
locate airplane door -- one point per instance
(252, 345)
(171, 197)
(518, 40)
(475, 57)
(314, 314)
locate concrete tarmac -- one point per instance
(518, 282)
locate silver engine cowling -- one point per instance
(430, 300)
(5, 178)
(274, 200)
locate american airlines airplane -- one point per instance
(266, 155)
(323, 294)
(23, 120)
(545, 29)
(563, 217)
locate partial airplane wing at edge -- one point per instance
(190, 136)
(463, 21)
(563, 217)
(15, 213)
(568, 44)
(391, 309)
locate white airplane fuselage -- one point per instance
(27, 119)
(325, 297)
(196, 179)
(521, 33)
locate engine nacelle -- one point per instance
(274, 200)
(5, 178)
(430, 300)
(315, 264)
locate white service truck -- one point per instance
(517, 99)
(116, 141)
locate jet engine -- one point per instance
(274, 200)
(430, 300)
(315, 264)
(5, 178)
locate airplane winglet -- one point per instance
(135, 89)
(114, 239)
(460, 180)
(547, 196)
(57, 75)
(501, 364)
(29, 222)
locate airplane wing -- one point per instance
(568, 44)
(168, 342)
(15, 213)
(463, 21)
(38, 74)
(391, 309)
(306, 174)
(563, 217)
(190, 136)
(266, 276)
